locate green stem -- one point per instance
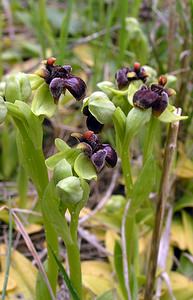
(150, 138)
(126, 168)
(73, 253)
(22, 183)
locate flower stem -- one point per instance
(73, 253)
(150, 137)
(160, 210)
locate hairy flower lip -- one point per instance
(99, 154)
(93, 124)
(125, 75)
(59, 78)
(155, 96)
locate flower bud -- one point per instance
(3, 110)
(162, 80)
(17, 87)
(12, 89)
(70, 190)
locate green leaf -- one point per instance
(70, 190)
(43, 102)
(118, 261)
(134, 86)
(84, 167)
(186, 266)
(35, 81)
(185, 201)
(50, 209)
(67, 280)
(62, 170)
(101, 107)
(136, 119)
(3, 110)
(136, 40)
(168, 116)
(144, 184)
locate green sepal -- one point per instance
(61, 145)
(101, 107)
(69, 154)
(62, 170)
(35, 81)
(84, 168)
(169, 116)
(110, 89)
(106, 86)
(134, 86)
(43, 102)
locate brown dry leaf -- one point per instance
(33, 228)
(184, 167)
(182, 287)
(177, 234)
(22, 275)
(11, 285)
(84, 53)
(97, 276)
(110, 239)
(188, 230)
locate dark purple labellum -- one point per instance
(111, 157)
(125, 75)
(98, 159)
(60, 78)
(93, 124)
(86, 111)
(160, 105)
(57, 87)
(144, 98)
(121, 77)
(76, 87)
(100, 154)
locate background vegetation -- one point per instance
(97, 38)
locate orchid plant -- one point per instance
(133, 101)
